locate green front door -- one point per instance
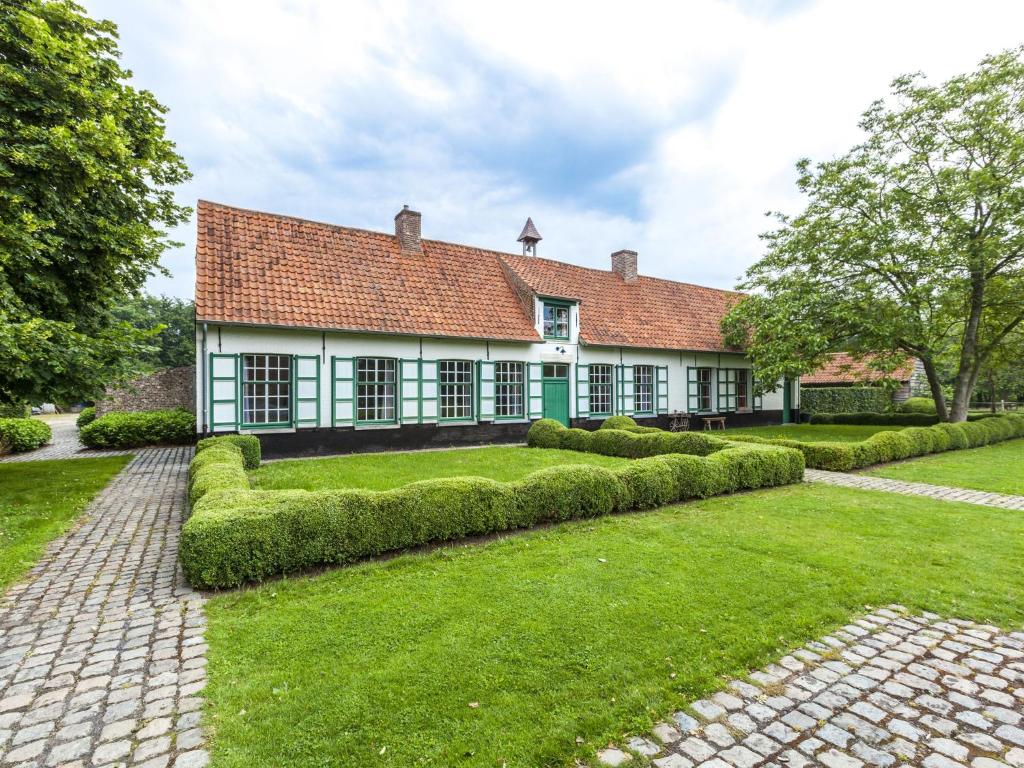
(556, 392)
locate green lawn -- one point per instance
(998, 468)
(39, 500)
(812, 433)
(504, 653)
(380, 471)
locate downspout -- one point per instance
(203, 377)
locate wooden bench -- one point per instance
(710, 421)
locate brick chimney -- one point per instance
(407, 230)
(624, 265)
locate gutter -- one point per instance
(203, 378)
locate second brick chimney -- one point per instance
(624, 265)
(407, 230)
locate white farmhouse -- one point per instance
(324, 339)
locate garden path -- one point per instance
(945, 493)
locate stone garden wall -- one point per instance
(169, 388)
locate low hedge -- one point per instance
(887, 419)
(844, 400)
(19, 434)
(902, 444)
(136, 429)
(236, 535)
(86, 416)
(248, 444)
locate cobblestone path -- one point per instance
(101, 647)
(63, 445)
(943, 492)
(887, 690)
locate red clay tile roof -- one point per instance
(842, 368)
(261, 268)
(649, 313)
(266, 269)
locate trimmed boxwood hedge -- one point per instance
(18, 434)
(902, 444)
(248, 444)
(887, 419)
(917, 405)
(136, 429)
(236, 535)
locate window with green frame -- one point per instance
(375, 389)
(727, 390)
(698, 395)
(455, 387)
(556, 321)
(600, 390)
(643, 388)
(266, 390)
(508, 390)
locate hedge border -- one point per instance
(896, 419)
(20, 434)
(900, 444)
(845, 399)
(236, 534)
(135, 429)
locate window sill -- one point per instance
(457, 423)
(383, 425)
(256, 430)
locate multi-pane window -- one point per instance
(375, 389)
(704, 389)
(556, 321)
(266, 389)
(727, 389)
(643, 388)
(455, 382)
(742, 390)
(600, 390)
(508, 389)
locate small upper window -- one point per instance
(556, 321)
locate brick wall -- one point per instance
(169, 388)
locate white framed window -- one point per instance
(643, 388)
(266, 390)
(375, 389)
(508, 390)
(455, 382)
(600, 390)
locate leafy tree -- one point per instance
(174, 323)
(911, 243)
(86, 180)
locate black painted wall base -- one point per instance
(334, 441)
(327, 442)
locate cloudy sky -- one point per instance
(669, 128)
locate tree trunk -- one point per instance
(936, 387)
(967, 371)
(992, 390)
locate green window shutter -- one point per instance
(409, 381)
(485, 390)
(535, 390)
(582, 391)
(626, 390)
(343, 396)
(225, 403)
(428, 391)
(758, 402)
(307, 390)
(692, 391)
(661, 388)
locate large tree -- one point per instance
(172, 319)
(911, 243)
(86, 194)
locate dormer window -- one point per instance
(556, 320)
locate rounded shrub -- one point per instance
(977, 433)
(249, 445)
(941, 439)
(576, 440)
(20, 434)
(922, 439)
(834, 456)
(955, 433)
(545, 433)
(917, 405)
(86, 416)
(136, 429)
(892, 446)
(618, 422)
(616, 442)
(568, 493)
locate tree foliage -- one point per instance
(86, 192)
(172, 319)
(911, 243)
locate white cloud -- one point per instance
(667, 127)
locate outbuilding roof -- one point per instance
(844, 368)
(257, 268)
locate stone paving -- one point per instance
(102, 655)
(887, 690)
(868, 482)
(63, 445)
